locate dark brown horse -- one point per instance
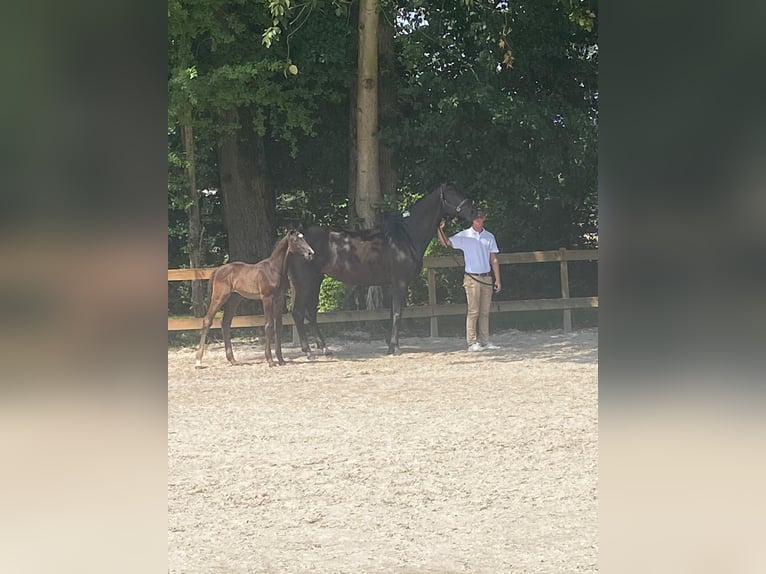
(391, 254)
(265, 280)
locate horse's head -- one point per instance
(298, 245)
(454, 204)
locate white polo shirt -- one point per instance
(476, 248)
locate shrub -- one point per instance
(331, 294)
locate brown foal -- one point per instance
(266, 280)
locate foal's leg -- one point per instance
(279, 304)
(268, 314)
(229, 309)
(217, 299)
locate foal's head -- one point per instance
(455, 204)
(298, 245)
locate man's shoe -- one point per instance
(491, 346)
(475, 347)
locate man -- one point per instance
(480, 251)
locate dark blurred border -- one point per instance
(682, 209)
(83, 224)
(83, 259)
(83, 287)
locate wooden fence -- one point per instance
(434, 310)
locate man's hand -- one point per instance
(496, 268)
(443, 239)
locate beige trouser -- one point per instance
(479, 298)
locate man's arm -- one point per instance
(496, 268)
(443, 239)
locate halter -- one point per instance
(457, 207)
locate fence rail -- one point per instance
(434, 310)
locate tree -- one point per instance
(246, 99)
(364, 151)
(196, 258)
(248, 204)
(500, 98)
(180, 115)
(388, 98)
(367, 196)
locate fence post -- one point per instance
(565, 289)
(432, 301)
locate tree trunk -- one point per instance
(368, 155)
(194, 241)
(387, 104)
(353, 220)
(247, 204)
(368, 178)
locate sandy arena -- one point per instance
(432, 461)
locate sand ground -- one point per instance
(432, 461)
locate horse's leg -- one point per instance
(312, 317)
(268, 314)
(397, 304)
(229, 309)
(299, 314)
(216, 302)
(279, 304)
(305, 308)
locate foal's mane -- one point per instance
(279, 242)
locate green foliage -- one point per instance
(517, 133)
(217, 64)
(501, 98)
(331, 294)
